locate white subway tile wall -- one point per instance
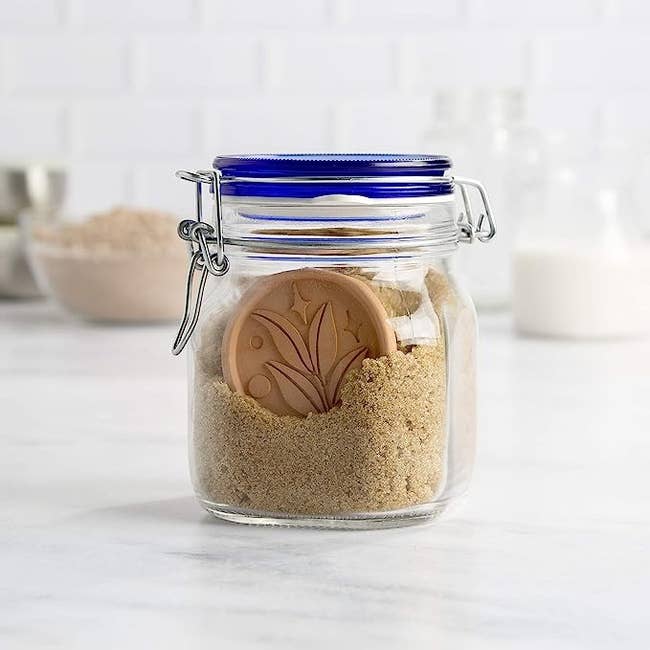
(125, 92)
(33, 14)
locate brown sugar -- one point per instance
(382, 448)
(124, 265)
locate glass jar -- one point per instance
(332, 364)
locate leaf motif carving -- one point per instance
(310, 380)
(341, 369)
(323, 341)
(298, 392)
(286, 337)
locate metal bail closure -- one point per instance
(468, 230)
(201, 236)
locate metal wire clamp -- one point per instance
(485, 228)
(201, 236)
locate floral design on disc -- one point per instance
(290, 343)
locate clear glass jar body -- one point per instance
(398, 445)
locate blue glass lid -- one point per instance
(313, 175)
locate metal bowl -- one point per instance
(34, 192)
(40, 188)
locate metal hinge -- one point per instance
(469, 231)
(206, 249)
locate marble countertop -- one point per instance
(103, 546)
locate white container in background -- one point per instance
(581, 273)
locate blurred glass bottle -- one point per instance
(486, 133)
(625, 143)
(641, 182)
(448, 132)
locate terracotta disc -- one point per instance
(295, 335)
